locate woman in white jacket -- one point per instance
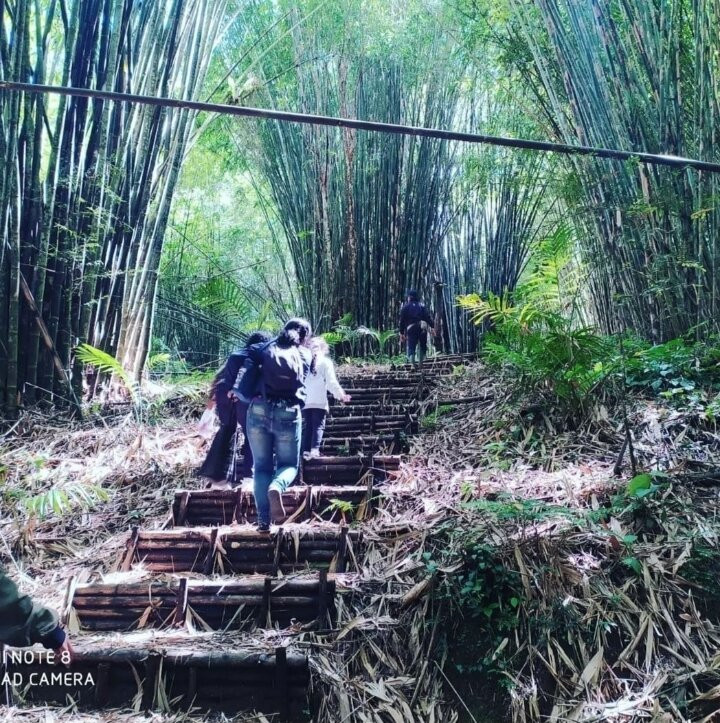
(318, 383)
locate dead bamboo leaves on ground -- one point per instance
(614, 609)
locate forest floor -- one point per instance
(507, 565)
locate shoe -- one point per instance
(214, 484)
(306, 456)
(220, 485)
(263, 527)
(314, 452)
(277, 511)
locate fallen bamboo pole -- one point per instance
(373, 126)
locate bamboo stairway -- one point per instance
(211, 571)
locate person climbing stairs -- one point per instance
(213, 622)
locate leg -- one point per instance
(309, 432)
(412, 341)
(261, 443)
(286, 429)
(216, 463)
(247, 463)
(422, 346)
(318, 428)
(306, 433)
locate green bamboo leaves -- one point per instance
(639, 76)
(88, 185)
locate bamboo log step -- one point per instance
(369, 420)
(301, 502)
(371, 407)
(235, 604)
(369, 417)
(178, 673)
(353, 426)
(243, 550)
(352, 502)
(387, 380)
(439, 359)
(363, 393)
(439, 364)
(350, 445)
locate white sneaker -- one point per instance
(314, 452)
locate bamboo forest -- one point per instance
(360, 361)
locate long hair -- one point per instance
(295, 333)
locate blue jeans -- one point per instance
(273, 430)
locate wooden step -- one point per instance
(225, 604)
(175, 670)
(372, 406)
(438, 364)
(395, 443)
(242, 549)
(380, 423)
(301, 502)
(411, 381)
(361, 393)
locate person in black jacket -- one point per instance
(230, 412)
(414, 322)
(274, 384)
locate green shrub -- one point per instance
(485, 596)
(567, 366)
(674, 367)
(430, 421)
(546, 354)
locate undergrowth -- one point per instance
(569, 369)
(537, 337)
(522, 580)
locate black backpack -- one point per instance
(283, 370)
(272, 370)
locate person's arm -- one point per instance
(228, 375)
(22, 623)
(332, 383)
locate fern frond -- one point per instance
(332, 338)
(387, 335)
(345, 320)
(366, 331)
(101, 360)
(157, 360)
(60, 500)
(109, 364)
(223, 297)
(496, 309)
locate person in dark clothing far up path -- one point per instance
(274, 382)
(231, 412)
(414, 322)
